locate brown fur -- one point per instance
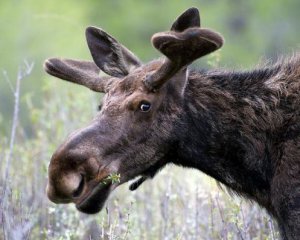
(241, 128)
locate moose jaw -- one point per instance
(241, 128)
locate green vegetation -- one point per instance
(37, 112)
(112, 178)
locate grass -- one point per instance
(178, 204)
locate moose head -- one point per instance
(134, 134)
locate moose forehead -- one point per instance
(134, 80)
(128, 92)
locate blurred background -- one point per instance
(38, 113)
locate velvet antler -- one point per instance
(182, 45)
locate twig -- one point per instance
(197, 232)
(238, 228)
(225, 231)
(22, 73)
(128, 226)
(8, 82)
(271, 226)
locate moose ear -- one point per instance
(181, 49)
(109, 55)
(190, 18)
(81, 72)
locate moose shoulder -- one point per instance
(241, 128)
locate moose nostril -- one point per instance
(80, 187)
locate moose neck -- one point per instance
(224, 134)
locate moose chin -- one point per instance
(241, 128)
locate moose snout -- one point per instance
(66, 176)
(70, 175)
(72, 167)
(66, 188)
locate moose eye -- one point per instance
(145, 106)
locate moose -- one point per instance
(240, 127)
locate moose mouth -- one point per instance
(93, 201)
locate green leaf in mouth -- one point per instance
(111, 178)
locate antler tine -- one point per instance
(81, 72)
(171, 65)
(181, 49)
(182, 45)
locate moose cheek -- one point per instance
(92, 166)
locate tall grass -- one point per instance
(177, 204)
